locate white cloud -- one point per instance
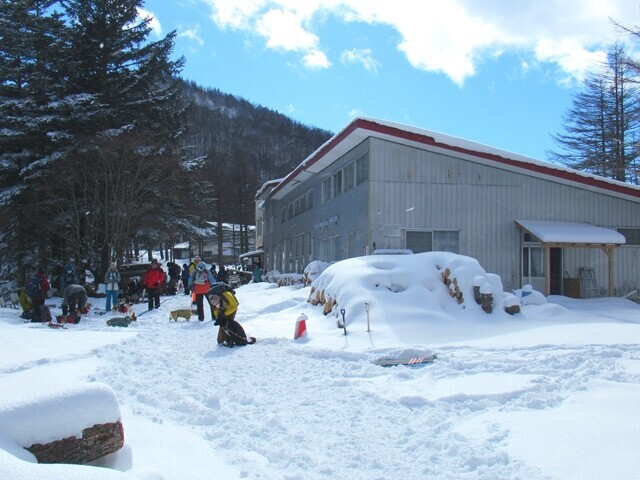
(236, 14)
(355, 112)
(283, 30)
(451, 37)
(192, 34)
(362, 56)
(156, 27)
(316, 60)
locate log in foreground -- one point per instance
(96, 442)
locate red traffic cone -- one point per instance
(301, 327)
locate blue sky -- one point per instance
(498, 72)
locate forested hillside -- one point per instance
(221, 125)
(231, 147)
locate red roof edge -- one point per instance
(365, 124)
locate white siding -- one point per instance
(425, 190)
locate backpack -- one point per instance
(200, 277)
(219, 288)
(32, 288)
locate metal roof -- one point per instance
(362, 128)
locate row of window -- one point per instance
(297, 206)
(345, 179)
(294, 254)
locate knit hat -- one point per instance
(113, 265)
(69, 268)
(201, 266)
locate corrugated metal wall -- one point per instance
(431, 191)
(335, 219)
(410, 188)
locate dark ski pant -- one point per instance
(200, 300)
(222, 335)
(153, 294)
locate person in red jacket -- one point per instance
(153, 281)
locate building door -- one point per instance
(555, 255)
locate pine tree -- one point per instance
(133, 82)
(79, 80)
(34, 118)
(602, 127)
(133, 79)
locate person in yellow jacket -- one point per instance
(224, 307)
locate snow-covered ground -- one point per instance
(549, 393)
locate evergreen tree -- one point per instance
(133, 82)
(35, 116)
(132, 79)
(603, 125)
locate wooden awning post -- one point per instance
(547, 270)
(609, 251)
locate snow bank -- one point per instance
(58, 414)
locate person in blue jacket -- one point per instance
(112, 282)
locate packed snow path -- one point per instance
(348, 418)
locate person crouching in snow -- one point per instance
(74, 300)
(200, 282)
(153, 281)
(224, 306)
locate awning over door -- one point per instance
(573, 235)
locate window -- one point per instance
(419, 241)
(362, 169)
(355, 244)
(349, 177)
(326, 190)
(334, 248)
(324, 250)
(532, 262)
(337, 183)
(631, 235)
(300, 204)
(445, 241)
(438, 240)
(309, 245)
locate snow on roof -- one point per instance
(571, 232)
(361, 128)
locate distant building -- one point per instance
(380, 185)
(205, 244)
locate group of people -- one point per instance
(37, 288)
(187, 271)
(198, 280)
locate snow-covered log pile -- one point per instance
(74, 426)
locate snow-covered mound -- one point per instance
(433, 284)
